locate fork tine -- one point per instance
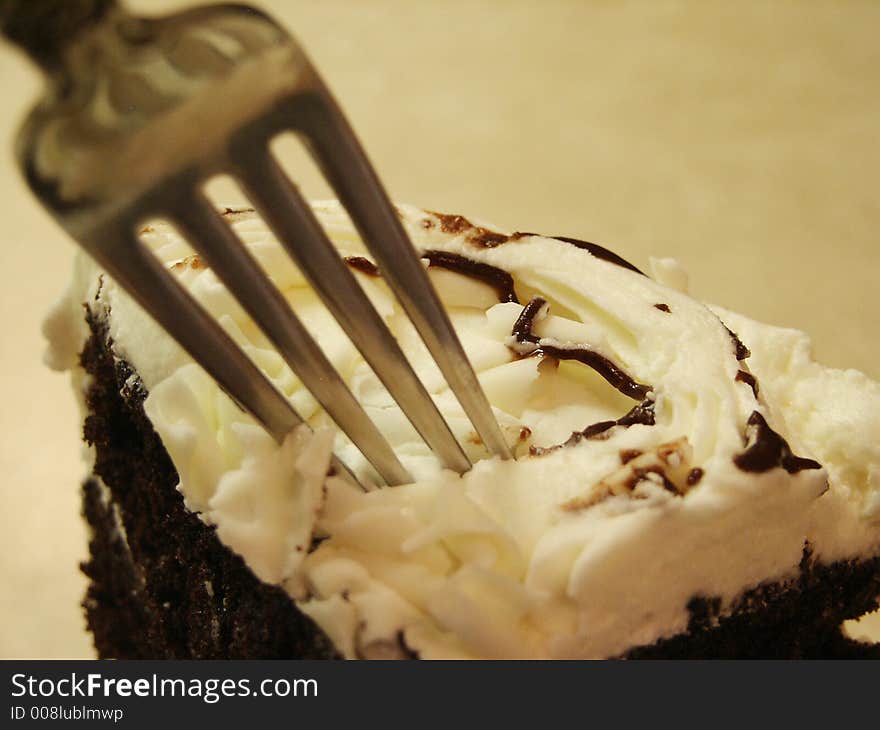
(337, 151)
(120, 254)
(230, 260)
(295, 226)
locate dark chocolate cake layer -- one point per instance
(163, 586)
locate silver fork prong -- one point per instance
(227, 256)
(294, 224)
(337, 151)
(120, 254)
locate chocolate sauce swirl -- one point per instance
(694, 476)
(522, 332)
(498, 279)
(476, 235)
(602, 365)
(365, 266)
(769, 450)
(485, 238)
(600, 252)
(627, 455)
(742, 352)
(643, 414)
(522, 328)
(745, 377)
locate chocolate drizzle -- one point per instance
(694, 476)
(237, 213)
(365, 266)
(600, 252)
(742, 352)
(498, 279)
(769, 450)
(522, 328)
(486, 238)
(602, 365)
(522, 331)
(477, 235)
(627, 455)
(642, 414)
(745, 377)
(452, 223)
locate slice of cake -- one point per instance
(688, 482)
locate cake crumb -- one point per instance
(194, 262)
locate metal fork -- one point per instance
(138, 114)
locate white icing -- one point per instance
(669, 273)
(508, 560)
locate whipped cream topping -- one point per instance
(666, 449)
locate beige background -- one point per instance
(739, 137)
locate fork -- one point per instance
(139, 114)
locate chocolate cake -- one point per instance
(688, 482)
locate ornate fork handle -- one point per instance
(45, 29)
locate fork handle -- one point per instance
(44, 28)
